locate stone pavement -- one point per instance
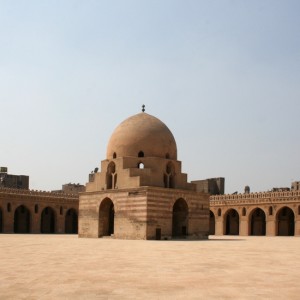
(227, 267)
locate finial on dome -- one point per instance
(143, 108)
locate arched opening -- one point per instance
(61, 210)
(211, 223)
(270, 211)
(110, 176)
(1, 221)
(48, 220)
(244, 212)
(180, 218)
(71, 221)
(167, 155)
(36, 209)
(257, 222)
(141, 154)
(219, 212)
(22, 220)
(141, 165)
(106, 218)
(115, 155)
(232, 222)
(8, 207)
(285, 222)
(169, 176)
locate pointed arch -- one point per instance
(212, 223)
(106, 218)
(257, 222)
(71, 221)
(22, 220)
(232, 222)
(48, 220)
(111, 176)
(180, 218)
(285, 220)
(169, 176)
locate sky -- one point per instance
(224, 76)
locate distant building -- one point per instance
(280, 189)
(13, 181)
(212, 186)
(295, 186)
(71, 188)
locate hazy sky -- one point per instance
(224, 76)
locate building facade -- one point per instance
(140, 192)
(27, 211)
(267, 213)
(13, 181)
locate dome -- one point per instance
(142, 135)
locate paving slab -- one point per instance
(224, 267)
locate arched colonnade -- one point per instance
(23, 218)
(257, 221)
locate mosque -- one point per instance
(141, 193)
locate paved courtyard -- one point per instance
(66, 267)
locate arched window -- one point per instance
(167, 155)
(115, 155)
(219, 212)
(61, 210)
(141, 154)
(36, 208)
(244, 212)
(270, 211)
(8, 207)
(141, 165)
(111, 176)
(169, 176)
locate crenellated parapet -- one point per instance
(7, 191)
(260, 197)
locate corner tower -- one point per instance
(141, 192)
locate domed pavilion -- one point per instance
(140, 192)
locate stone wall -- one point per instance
(278, 213)
(32, 208)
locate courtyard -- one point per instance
(224, 267)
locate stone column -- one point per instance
(60, 226)
(244, 226)
(271, 226)
(297, 225)
(36, 222)
(8, 221)
(219, 225)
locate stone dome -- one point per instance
(142, 135)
